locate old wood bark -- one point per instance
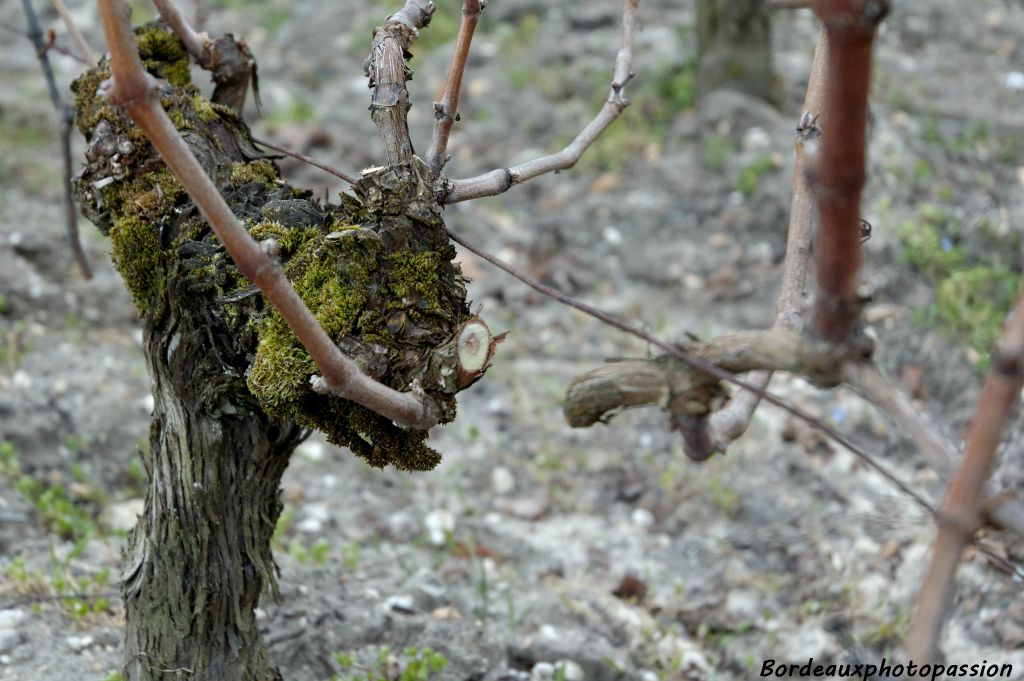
(199, 560)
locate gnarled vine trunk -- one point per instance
(231, 382)
(199, 560)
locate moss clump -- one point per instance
(149, 196)
(139, 258)
(163, 54)
(260, 170)
(387, 307)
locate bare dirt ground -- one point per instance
(507, 558)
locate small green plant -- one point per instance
(14, 344)
(970, 300)
(82, 591)
(16, 570)
(675, 86)
(298, 112)
(482, 588)
(725, 497)
(716, 151)
(319, 551)
(751, 176)
(75, 444)
(350, 556)
(923, 170)
(930, 242)
(57, 511)
(114, 676)
(444, 25)
(284, 523)
(520, 40)
(420, 664)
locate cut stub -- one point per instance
(677, 388)
(464, 358)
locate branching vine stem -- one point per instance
(962, 510)
(227, 59)
(699, 364)
(501, 180)
(76, 35)
(66, 117)
(863, 377)
(387, 71)
(446, 111)
(730, 422)
(839, 172)
(198, 45)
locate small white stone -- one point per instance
(318, 511)
(21, 379)
(502, 480)
(808, 640)
(79, 643)
(9, 640)
(309, 526)
(11, 618)
(399, 603)
(542, 671)
(147, 403)
(612, 235)
(744, 603)
(549, 632)
(641, 517)
(1014, 80)
(761, 252)
(756, 139)
(439, 523)
(571, 671)
(478, 87)
(314, 517)
(122, 515)
(648, 675)
(312, 450)
(674, 649)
